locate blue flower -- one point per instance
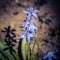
(24, 26)
(26, 34)
(29, 24)
(26, 22)
(29, 21)
(30, 11)
(23, 34)
(32, 27)
(28, 27)
(29, 35)
(32, 21)
(49, 55)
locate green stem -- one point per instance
(32, 53)
(28, 51)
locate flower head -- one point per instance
(49, 55)
(26, 34)
(29, 24)
(31, 12)
(32, 27)
(28, 27)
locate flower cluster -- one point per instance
(50, 55)
(28, 27)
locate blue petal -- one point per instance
(23, 33)
(35, 11)
(28, 39)
(21, 37)
(45, 57)
(29, 16)
(32, 30)
(26, 12)
(27, 9)
(52, 55)
(35, 15)
(54, 51)
(32, 21)
(31, 35)
(24, 25)
(49, 58)
(32, 27)
(31, 7)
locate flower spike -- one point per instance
(31, 12)
(49, 55)
(28, 27)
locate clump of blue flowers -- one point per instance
(50, 55)
(28, 27)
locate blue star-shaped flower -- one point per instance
(49, 55)
(30, 11)
(32, 27)
(29, 24)
(26, 34)
(29, 35)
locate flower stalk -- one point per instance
(29, 28)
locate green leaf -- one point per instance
(6, 55)
(23, 48)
